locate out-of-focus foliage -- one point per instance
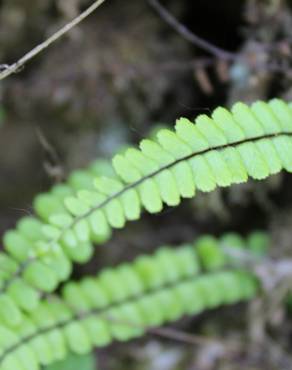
(75, 362)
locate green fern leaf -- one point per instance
(224, 149)
(122, 303)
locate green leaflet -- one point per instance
(122, 303)
(75, 362)
(227, 148)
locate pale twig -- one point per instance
(190, 36)
(10, 69)
(172, 334)
(181, 336)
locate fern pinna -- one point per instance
(124, 302)
(224, 149)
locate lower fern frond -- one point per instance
(122, 303)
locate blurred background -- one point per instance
(107, 84)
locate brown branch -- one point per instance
(13, 68)
(190, 36)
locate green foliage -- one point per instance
(75, 362)
(122, 303)
(228, 148)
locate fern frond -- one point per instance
(123, 302)
(228, 148)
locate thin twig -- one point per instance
(10, 69)
(180, 336)
(190, 36)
